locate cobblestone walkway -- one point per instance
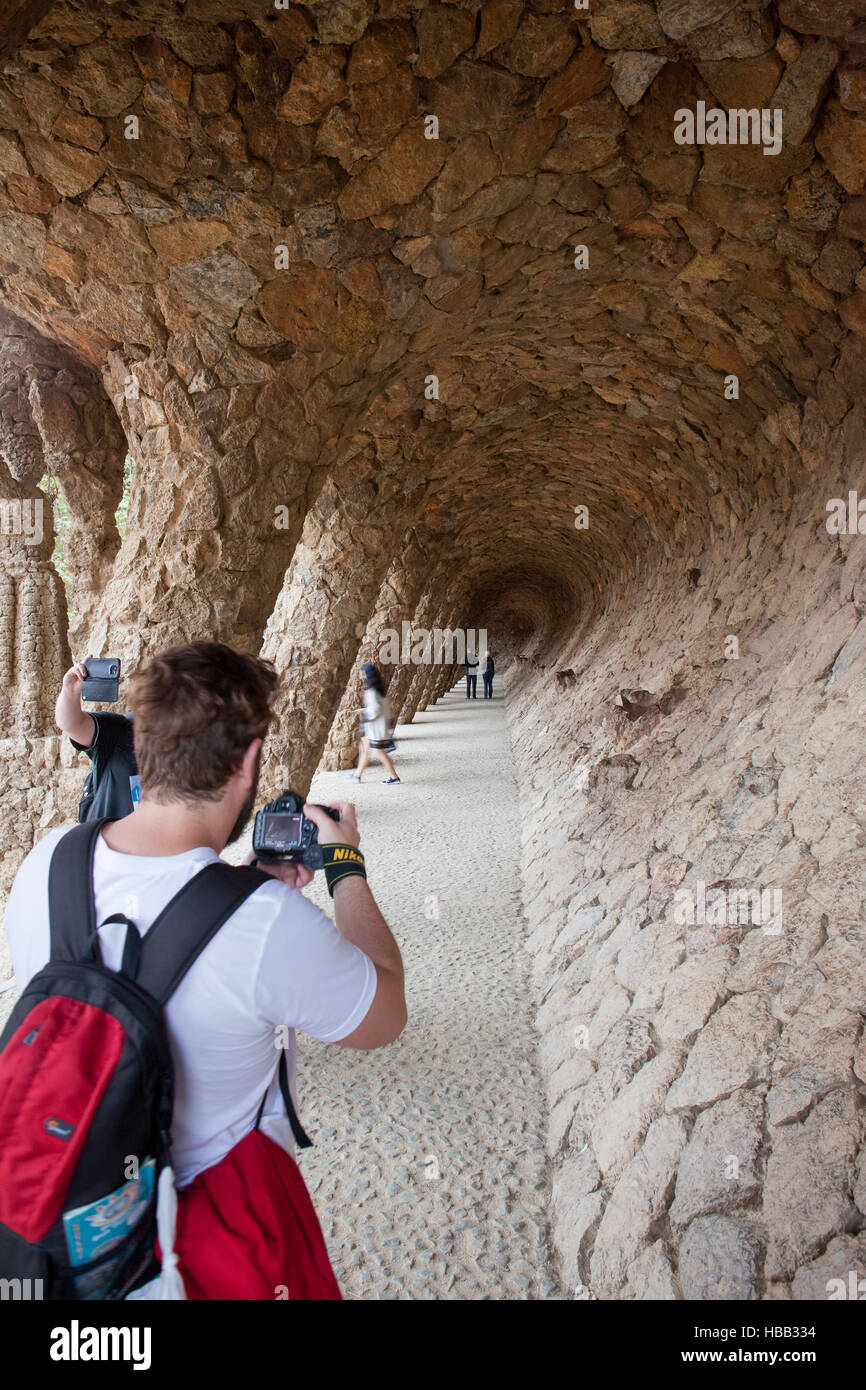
(428, 1171)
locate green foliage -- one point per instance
(120, 514)
(63, 521)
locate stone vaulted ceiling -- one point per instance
(373, 381)
(238, 206)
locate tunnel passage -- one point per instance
(427, 314)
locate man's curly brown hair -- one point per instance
(196, 710)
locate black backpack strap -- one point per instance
(190, 920)
(302, 1139)
(131, 945)
(183, 929)
(71, 909)
(176, 938)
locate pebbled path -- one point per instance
(429, 1171)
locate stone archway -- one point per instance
(447, 314)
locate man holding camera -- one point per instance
(278, 963)
(112, 787)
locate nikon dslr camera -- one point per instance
(282, 831)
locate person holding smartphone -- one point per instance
(112, 787)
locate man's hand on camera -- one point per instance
(293, 875)
(335, 832)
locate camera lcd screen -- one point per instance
(282, 831)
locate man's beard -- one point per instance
(246, 810)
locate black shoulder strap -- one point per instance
(302, 1139)
(176, 938)
(193, 917)
(183, 929)
(71, 909)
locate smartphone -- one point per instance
(102, 679)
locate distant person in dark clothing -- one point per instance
(112, 787)
(488, 671)
(471, 676)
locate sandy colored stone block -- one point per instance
(619, 1128)
(734, 1049)
(720, 1258)
(719, 1167)
(633, 73)
(635, 1204)
(807, 1184)
(651, 1276)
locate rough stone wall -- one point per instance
(394, 606)
(298, 303)
(330, 591)
(55, 420)
(706, 1081)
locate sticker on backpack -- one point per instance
(99, 1227)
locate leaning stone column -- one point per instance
(60, 404)
(222, 460)
(315, 631)
(395, 605)
(419, 682)
(84, 449)
(40, 783)
(34, 651)
(429, 686)
(446, 679)
(403, 679)
(418, 697)
(421, 693)
(398, 689)
(418, 694)
(413, 696)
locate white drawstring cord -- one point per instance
(168, 1284)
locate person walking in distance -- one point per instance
(377, 727)
(487, 673)
(471, 675)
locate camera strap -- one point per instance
(193, 917)
(341, 861)
(302, 1139)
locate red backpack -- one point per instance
(87, 1086)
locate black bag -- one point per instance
(87, 1084)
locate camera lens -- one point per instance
(112, 670)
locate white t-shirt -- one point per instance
(377, 715)
(277, 961)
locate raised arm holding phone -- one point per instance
(112, 787)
